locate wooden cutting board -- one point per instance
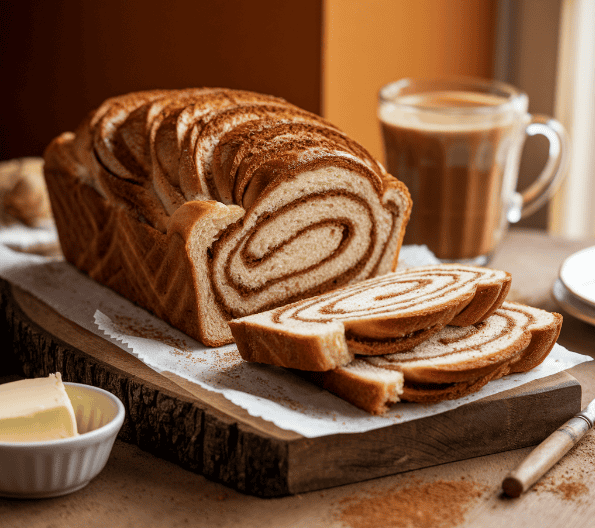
(205, 433)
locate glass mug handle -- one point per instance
(543, 188)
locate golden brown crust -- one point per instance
(529, 350)
(392, 183)
(249, 339)
(150, 203)
(148, 267)
(488, 298)
(542, 342)
(370, 395)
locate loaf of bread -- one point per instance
(378, 316)
(204, 205)
(454, 362)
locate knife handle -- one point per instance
(545, 455)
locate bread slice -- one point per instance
(368, 387)
(451, 364)
(378, 316)
(208, 204)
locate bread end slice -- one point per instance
(371, 389)
(316, 352)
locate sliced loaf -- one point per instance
(208, 204)
(452, 363)
(378, 316)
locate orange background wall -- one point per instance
(369, 43)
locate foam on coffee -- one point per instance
(430, 111)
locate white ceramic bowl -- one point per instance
(57, 467)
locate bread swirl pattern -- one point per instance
(377, 316)
(207, 204)
(452, 363)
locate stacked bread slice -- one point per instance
(208, 204)
(423, 334)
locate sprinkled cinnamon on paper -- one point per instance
(133, 327)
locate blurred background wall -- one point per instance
(368, 44)
(61, 58)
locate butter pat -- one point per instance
(35, 410)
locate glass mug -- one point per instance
(457, 144)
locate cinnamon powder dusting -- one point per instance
(129, 325)
(568, 480)
(436, 504)
(568, 489)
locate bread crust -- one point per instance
(533, 336)
(539, 332)
(351, 384)
(163, 195)
(390, 314)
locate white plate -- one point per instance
(572, 304)
(577, 273)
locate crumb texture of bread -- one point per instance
(361, 384)
(382, 315)
(453, 363)
(208, 204)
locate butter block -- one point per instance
(35, 410)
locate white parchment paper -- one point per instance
(272, 393)
(19, 236)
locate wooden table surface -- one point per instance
(138, 489)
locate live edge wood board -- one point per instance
(205, 433)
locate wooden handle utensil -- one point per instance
(546, 454)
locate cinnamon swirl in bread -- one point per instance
(454, 362)
(382, 315)
(204, 205)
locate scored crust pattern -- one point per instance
(207, 204)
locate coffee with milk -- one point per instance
(458, 152)
(454, 166)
